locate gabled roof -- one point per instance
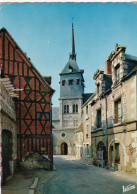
(71, 63)
(28, 60)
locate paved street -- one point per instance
(72, 177)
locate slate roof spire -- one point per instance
(72, 52)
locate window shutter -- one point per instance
(115, 110)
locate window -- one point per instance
(87, 149)
(117, 73)
(70, 82)
(117, 156)
(117, 111)
(70, 69)
(39, 115)
(114, 153)
(86, 109)
(28, 79)
(63, 82)
(101, 151)
(77, 81)
(63, 134)
(75, 108)
(87, 130)
(75, 123)
(98, 89)
(47, 115)
(65, 108)
(65, 123)
(99, 118)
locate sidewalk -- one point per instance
(20, 183)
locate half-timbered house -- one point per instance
(33, 107)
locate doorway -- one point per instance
(64, 149)
(6, 153)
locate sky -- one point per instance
(43, 31)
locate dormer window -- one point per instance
(117, 73)
(70, 68)
(70, 82)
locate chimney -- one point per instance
(108, 66)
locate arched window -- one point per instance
(76, 108)
(73, 108)
(67, 108)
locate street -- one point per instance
(72, 177)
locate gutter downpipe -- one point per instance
(107, 167)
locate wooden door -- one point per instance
(64, 149)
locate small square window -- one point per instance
(47, 115)
(39, 115)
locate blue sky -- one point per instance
(43, 31)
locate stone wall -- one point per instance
(8, 124)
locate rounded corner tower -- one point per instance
(71, 91)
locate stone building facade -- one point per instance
(114, 113)
(79, 142)
(8, 129)
(86, 121)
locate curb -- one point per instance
(33, 186)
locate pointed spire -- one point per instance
(72, 52)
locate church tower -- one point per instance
(71, 91)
